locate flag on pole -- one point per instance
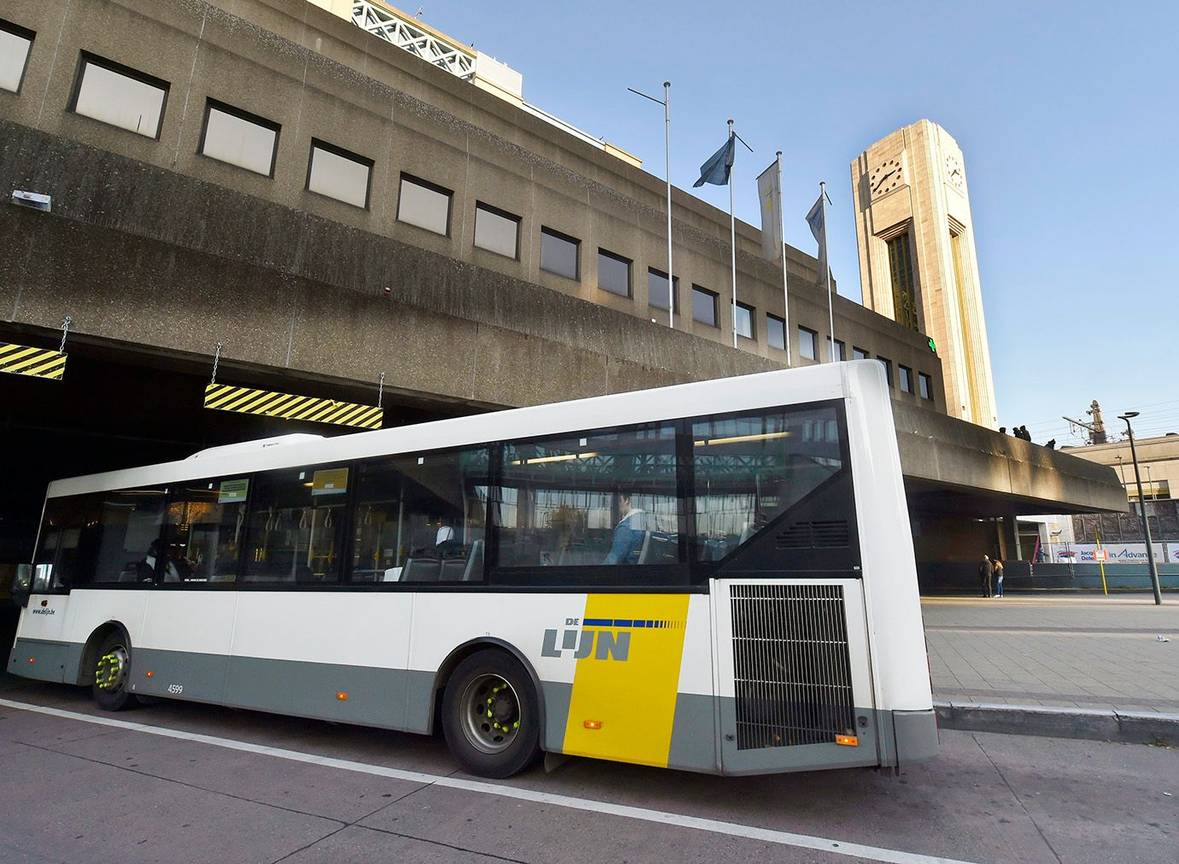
(718, 167)
(816, 219)
(769, 193)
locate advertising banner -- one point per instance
(1123, 553)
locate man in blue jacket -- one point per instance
(628, 533)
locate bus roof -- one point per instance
(722, 395)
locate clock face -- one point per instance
(886, 176)
(954, 173)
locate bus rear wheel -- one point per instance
(490, 715)
(112, 674)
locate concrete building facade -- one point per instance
(918, 264)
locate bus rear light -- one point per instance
(847, 740)
(341, 696)
(592, 724)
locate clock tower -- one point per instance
(917, 259)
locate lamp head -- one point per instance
(1127, 415)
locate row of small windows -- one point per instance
(128, 99)
(808, 348)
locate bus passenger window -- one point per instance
(750, 470)
(66, 551)
(421, 518)
(128, 535)
(296, 526)
(205, 528)
(599, 498)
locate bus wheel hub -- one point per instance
(111, 670)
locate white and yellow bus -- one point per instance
(715, 577)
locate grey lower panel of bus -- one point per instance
(404, 700)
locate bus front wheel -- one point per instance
(490, 715)
(112, 674)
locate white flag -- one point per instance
(769, 193)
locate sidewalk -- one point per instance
(1060, 652)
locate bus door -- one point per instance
(793, 675)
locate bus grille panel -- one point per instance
(791, 665)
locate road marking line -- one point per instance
(676, 820)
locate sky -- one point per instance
(1067, 114)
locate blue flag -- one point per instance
(718, 167)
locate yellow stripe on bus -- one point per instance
(246, 400)
(625, 709)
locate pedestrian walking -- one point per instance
(985, 572)
(997, 567)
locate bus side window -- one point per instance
(421, 518)
(591, 499)
(296, 525)
(64, 555)
(205, 530)
(750, 470)
(127, 537)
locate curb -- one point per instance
(1127, 727)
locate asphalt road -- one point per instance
(262, 788)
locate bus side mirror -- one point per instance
(22, 584)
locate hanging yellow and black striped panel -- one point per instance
(246, 400)
(35, 362)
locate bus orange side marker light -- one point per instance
(32, 659)
(592, 724)
(341, 696)
(847, 740)
(150, 674)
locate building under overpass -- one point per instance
(495, 258)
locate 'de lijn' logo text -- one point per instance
(599, 638)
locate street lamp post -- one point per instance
(1154, 570)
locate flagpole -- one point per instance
(785, 290)
(827, 267)
(666, 103)
(667, 172)
(733, 247)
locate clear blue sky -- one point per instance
(1068, 114)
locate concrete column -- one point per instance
(1012, 524)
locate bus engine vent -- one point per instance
(791, 666)
(815, 535)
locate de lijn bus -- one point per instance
(714, 577)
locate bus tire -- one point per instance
(490, 715)
(112, 674)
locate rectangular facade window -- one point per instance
(808, 344)
(703, 306)
(497, 231)
(421, 518)
(424, 205)
(859, 353)
(15, 44)
(904, 294)
(906, 376)
(840, 352)
(776, 332)
(120, 96)
(239, 138)
(613, 273)
(559, 253)
(887, 364)
(743, 320)
(657, 292)
(338, 174)
(589, 507)
(924, 385)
